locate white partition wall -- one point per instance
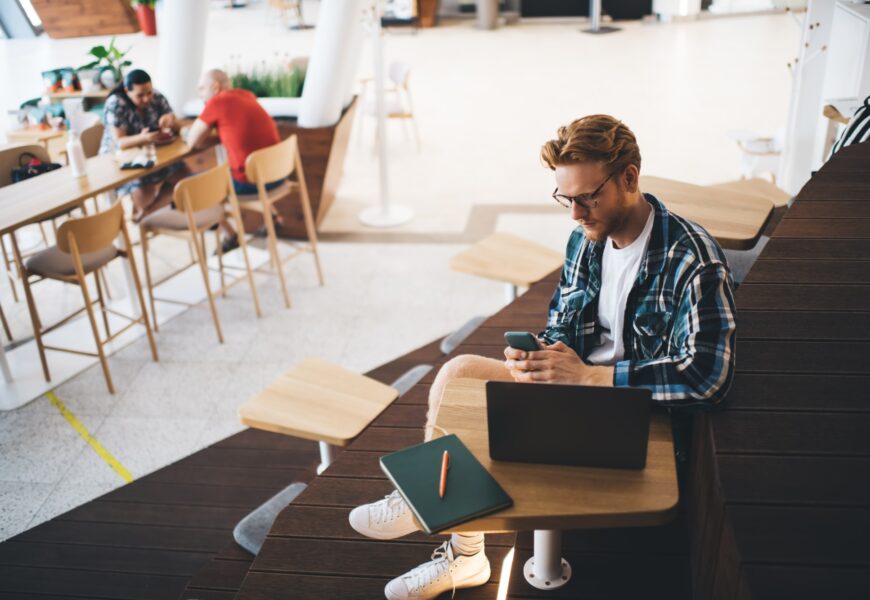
(334, 57)
(181, 25)
(805, 110)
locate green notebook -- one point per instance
(470, 493)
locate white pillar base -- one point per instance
(546, 569)
(376, 216)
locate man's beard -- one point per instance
(611, 225)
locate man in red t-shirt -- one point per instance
(242, 126)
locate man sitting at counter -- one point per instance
(243, 127)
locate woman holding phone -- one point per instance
(135, 115)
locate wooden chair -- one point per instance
(8, 161)
(91, 139)
(6, 329)
(201, 201)
(84, 246)
(277, 163)
(284, 7)
(397, 98)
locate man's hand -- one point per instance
(556, 363)
(198, 134)
(167, 121)
(149, 137)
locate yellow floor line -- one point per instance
(97, 446)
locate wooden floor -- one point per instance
(147, 539)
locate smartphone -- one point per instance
(522, 340)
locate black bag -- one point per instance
(31, 168)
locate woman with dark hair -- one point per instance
(136, 114)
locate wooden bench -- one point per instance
(780, 497)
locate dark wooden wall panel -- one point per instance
(788, 492)
(80, 18)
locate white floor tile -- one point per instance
(19, 503)
(38, 446)
(66, 497)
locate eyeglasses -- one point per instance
(585, 200)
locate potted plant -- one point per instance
(109, 63)
(266, 82)
(145, 14)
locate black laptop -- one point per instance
(568, 424)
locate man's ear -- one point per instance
(630, 178)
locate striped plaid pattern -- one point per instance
(858, 129)
(680, 331)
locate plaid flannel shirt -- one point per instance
(679, 332)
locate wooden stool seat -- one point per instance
(272, 195)
(316, 400)
(735, 219)
(508, 258)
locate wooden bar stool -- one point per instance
(9, 159)
(268, 165)
(84, 246)
(202, 204)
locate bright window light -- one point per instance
(32, 16)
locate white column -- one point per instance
(387, 214)
(487, 14)
(805, 109)
(181, 28)
(668, 9)
(332, 63)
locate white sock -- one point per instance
(467, 544)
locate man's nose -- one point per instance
(578, 211)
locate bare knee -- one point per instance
(470, 366)
(464, 365)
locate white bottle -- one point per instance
(76, 154)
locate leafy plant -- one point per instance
(151, 3)
(111, 57)
(270, 82)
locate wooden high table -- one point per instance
(39, 198)
(549, 498)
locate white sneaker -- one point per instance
(444, 572)
(386, 519)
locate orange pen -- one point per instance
(445, 463)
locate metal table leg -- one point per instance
(326, 457)
(546, 569)
(595, 19)
(4, 365)
(510, 293)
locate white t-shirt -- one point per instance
(619, 267)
